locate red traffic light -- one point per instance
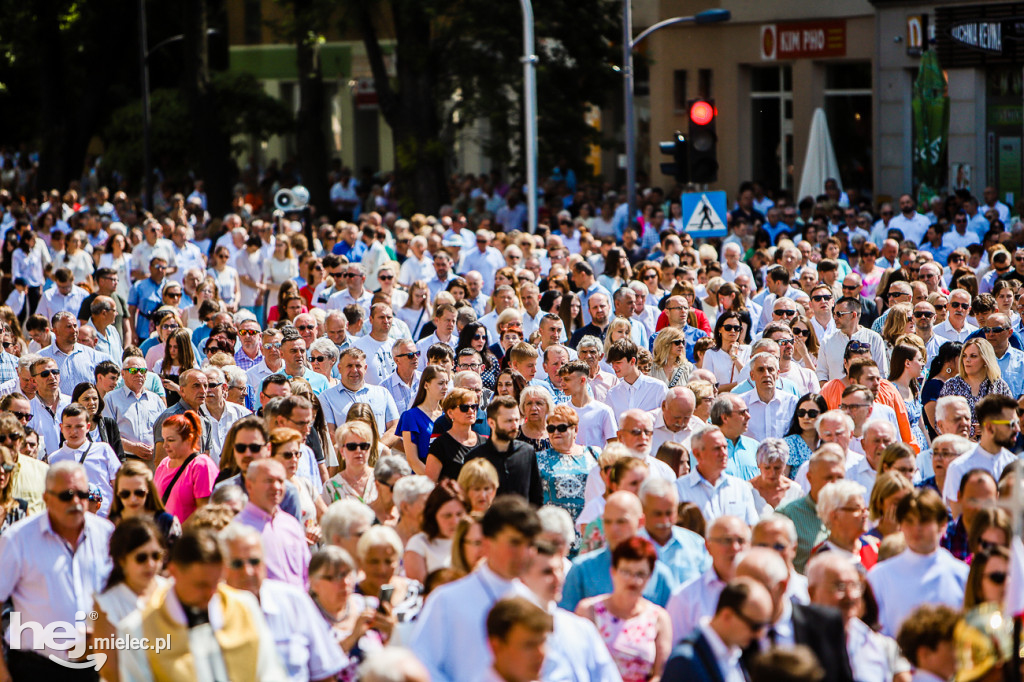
(701, 113)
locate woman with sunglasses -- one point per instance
(355, 480)
(363, 413)
(135, 495)
(431, 548)
(286, 448)
(565, 465)
(416, 424)
(987, 580)
(448, 450)
(979, 375)
(805, 339)
(906, 364)
(137, 557)
(648, 274)
(474, 335)
(12, 508)
(990, 527)
(729, 357)
(171, 296)
(802, 437)
(323, 356)
(185, 476)
(670, 363)
(103, 429)
(226, 278)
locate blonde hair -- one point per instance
(662, 345)
(536, 392)
(611, 454)
(619, 323)
(886, 485)
(988, 356)
(896, 321)
(477, 473)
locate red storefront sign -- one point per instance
(804, 40)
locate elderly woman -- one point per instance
(479, 483)
(386, 473)
(323, 356)
(842, 509)
(670, 363)
(355, 480)
(379, 552)
(771, 487)
(979, 375)
(945, 449)
(431, 549)
(535, 404)
(410, 497)
(565, 465)
(344, 523)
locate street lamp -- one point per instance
(629, 43)
(529, 60)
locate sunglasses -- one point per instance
(171, 294)
(850, 287)
(994, 330)
(170, 327)
(998, 577)
(125, 494)
(560, 428)
(47, 372)
(23, 416)
(469, 407)
(269, 346)
(731, 327)
(143, 557)
(923, 315)
(412, 356)
(821, 297)
(679, 342)
(784, 313)
(290, 455)
(858, 347)
(248, 332)
(306, 327)
(351, 274)
(136, 370)
(240, 448)
(238, 564)
(806, 333)
(810, 414)
(68, 495)
(385, 278)
(479, 337)
(317, 358)
(352, 447)
(960, 306)
(940, 307)
(12, 437)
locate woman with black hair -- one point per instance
(802, 437)
(474, 336)
(729, 357)
(102, 429)
(944, 366)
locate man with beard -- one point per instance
(515, 461)
(997, 416)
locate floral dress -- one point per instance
(630, 642)
(959, 386)
(564, 478)
(914, 410)
(798, 451)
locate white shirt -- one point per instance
(771, 419)
(978, 458)
(260, 371)
(862, 472)
(727, 657)
(46, 423)
(380, 364)
(414, 269)
(101, 465)
(830, 355)
(187, 257)
(946, 332)
(597, 424)
(576, 651)
(487, 263)
(868, 652)
(655, 467)
(693, 601)
(805, 379)
(644, 394)
(954, 240)
(662, 434)
(424, 344)
(731, 496)
(721, 365)
(53, 302)
(913, 228)
(730, 275)
(823, 332)
(343, 298)
(908, 580)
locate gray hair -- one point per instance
(391, 664)
(235, 376)
(784, 522)
(411, 488)
(820, 563)
(228, 494)
(556, 520)
(243, 315)
(535, 392)
(697, 439)
(835, 495)
(947, 403)
(331, 557)
(764, 563)
(234, 532)
(590, 341)
(379, 536)
(772, 450)
(26, 361)
(390, 465)
(342, 516)
(877, 423)
(215, 374)
(960, 444)
(68, 467)
(658, 488)
(326, 346)
(833, 414)
(721, 408)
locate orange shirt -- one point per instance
(832, 392)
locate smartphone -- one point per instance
(385, 596)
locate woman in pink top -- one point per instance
(185, 476)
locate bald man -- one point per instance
(674, 421)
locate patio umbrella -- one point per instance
(820, 160)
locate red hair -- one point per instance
(635, 549)
(187, 425)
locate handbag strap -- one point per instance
(177, 475)
(86, 453)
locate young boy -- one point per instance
(522, 358)
(99, 460)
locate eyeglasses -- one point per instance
(138, 494)
(821, 297)
(641, 432)
(469, 407)
(802, 332)
(784, 313)
(47, 372)
(560, 428)
(959, 306)
(472, 366)
(143, 557)
(857, 511)
(923, 315)
(412, 356)
(994, 330)
(68, 495)
(239, 564)
(853, 406)
(240, 448)
(731, 327)
(810, 414)
(777, 546)
(290, 454)
(270, 346)
(248, 332)
(136, 370)
(352, 447)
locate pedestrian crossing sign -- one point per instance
(704, 214)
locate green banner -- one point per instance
(930, 107)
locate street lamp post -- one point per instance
(629, 43)
(529, 60)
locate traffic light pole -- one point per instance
(629, 43)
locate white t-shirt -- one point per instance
(379, 362)
(597, 424)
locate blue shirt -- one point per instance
(301, 635)
(9, 366)
(336, 402)
(691, 333)
(1012, 367)
(318, 382)
(420, 428)
(940, 253)
(591, 575)
(742, 458)
(75, 367)
(684, 554)
(585, 295)
(353, 253)
(564, 478)
(144, 295)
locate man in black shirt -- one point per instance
(515, 461)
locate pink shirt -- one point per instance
(195, 483)
(285, 550)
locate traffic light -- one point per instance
(678, 167)
(703, 141)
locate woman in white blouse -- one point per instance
(729, 357)
(76, 259)
(226, 278)
(116, 256)
(281, 267)
(27, 262)
(431, 549)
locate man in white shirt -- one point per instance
(991, 197)
(912, 224)
(955, 327)
(715, 492)
(442, 275)
(727, 538)
(418, 265)
(99, 460)
(405, 380)
(847, 318)
(485, 259)
(996, 415)
(74, 360)
(444, 332)
(186, 254)
(251, 287)
(771, 410)
(878, 434)
(635, 433)
(597, 421)
(674, 421)
(960, 236)
(65, 297)
(271, 362)
(134, 409)
(805, 380)
(583, 278)
(152, 246)
(822, 298)
(476, 296)
(924, 573)
(634, 390)
(354, 292)
(380, 363)
(504, 299)
(732, 266)
(449, 635)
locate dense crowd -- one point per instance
(357, 446)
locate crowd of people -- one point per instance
(442, 448)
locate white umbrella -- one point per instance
(820, 161)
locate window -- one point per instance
(848, 110)
(253, 22)
(771, 101)
(704, 84)
(679, 90)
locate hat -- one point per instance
(982, 639)
(452, 242)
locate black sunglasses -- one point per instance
(47, 372)
(352, 447)
(812, 413)
(238, 564)
(143, 557)
(469, 407)
(802, 332)
(68, 495)
(412, 356)
(821, 297)
(560, 428)
(998, 577)
(290, 455)
(125, 494)
(731, 327)
(923, 315)
(240, 448)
